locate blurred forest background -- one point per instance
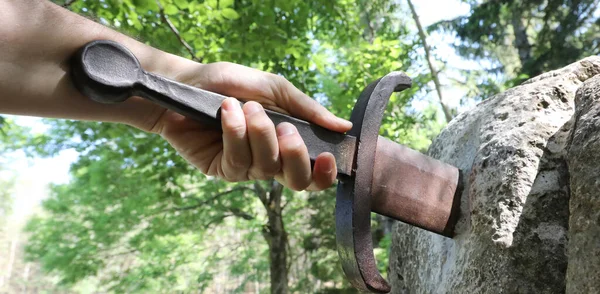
(135, 218)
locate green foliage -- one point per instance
(130, 193)
(318, 243)
(9, 132)
(6, 186)
(140, 219)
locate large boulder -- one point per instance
(530, 210)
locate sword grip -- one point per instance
(108, 72)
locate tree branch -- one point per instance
(121, 253)
(211, 199)
(367, 15)
(458, 81)
(275, 192)
(434, 75)
(283, 206)
(217, 219)
(171, 26)
(261, 193)
(239, 213)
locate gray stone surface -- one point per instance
(513, 231)
(583, 271)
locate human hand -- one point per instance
(250, 146)
(35, 81)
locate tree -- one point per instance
(140, 219)
(523, 39)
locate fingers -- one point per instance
(294, 157)
(254, 149)
(236, 158)
(263, 143)
(324, 172)
(250, 148)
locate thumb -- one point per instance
(304, 107)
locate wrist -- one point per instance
(147, 115)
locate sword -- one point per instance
(374, 173)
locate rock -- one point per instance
(583, 250)
(514, 225)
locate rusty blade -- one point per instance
(414, 188)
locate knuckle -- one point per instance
(281, 81)
(281, 86)
(262, 127)
(234, 129)
(293, 148)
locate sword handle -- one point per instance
(108, 72)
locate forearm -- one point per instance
(37, 39)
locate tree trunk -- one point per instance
(11, 258)
(432, 69)
(276, 237)
(521, 41)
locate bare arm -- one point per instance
(37, 39)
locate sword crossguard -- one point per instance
(353, 199)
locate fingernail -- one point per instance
(229, 104)
(328, 168)
(285, 129)
(347, 123)
(252, 107)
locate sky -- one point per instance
(35, 174)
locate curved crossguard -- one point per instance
(375, 174)
(353, 199)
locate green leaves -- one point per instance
(230, 14)
(182, 4)
(226, 3)
(171, 9)
(145, 5)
